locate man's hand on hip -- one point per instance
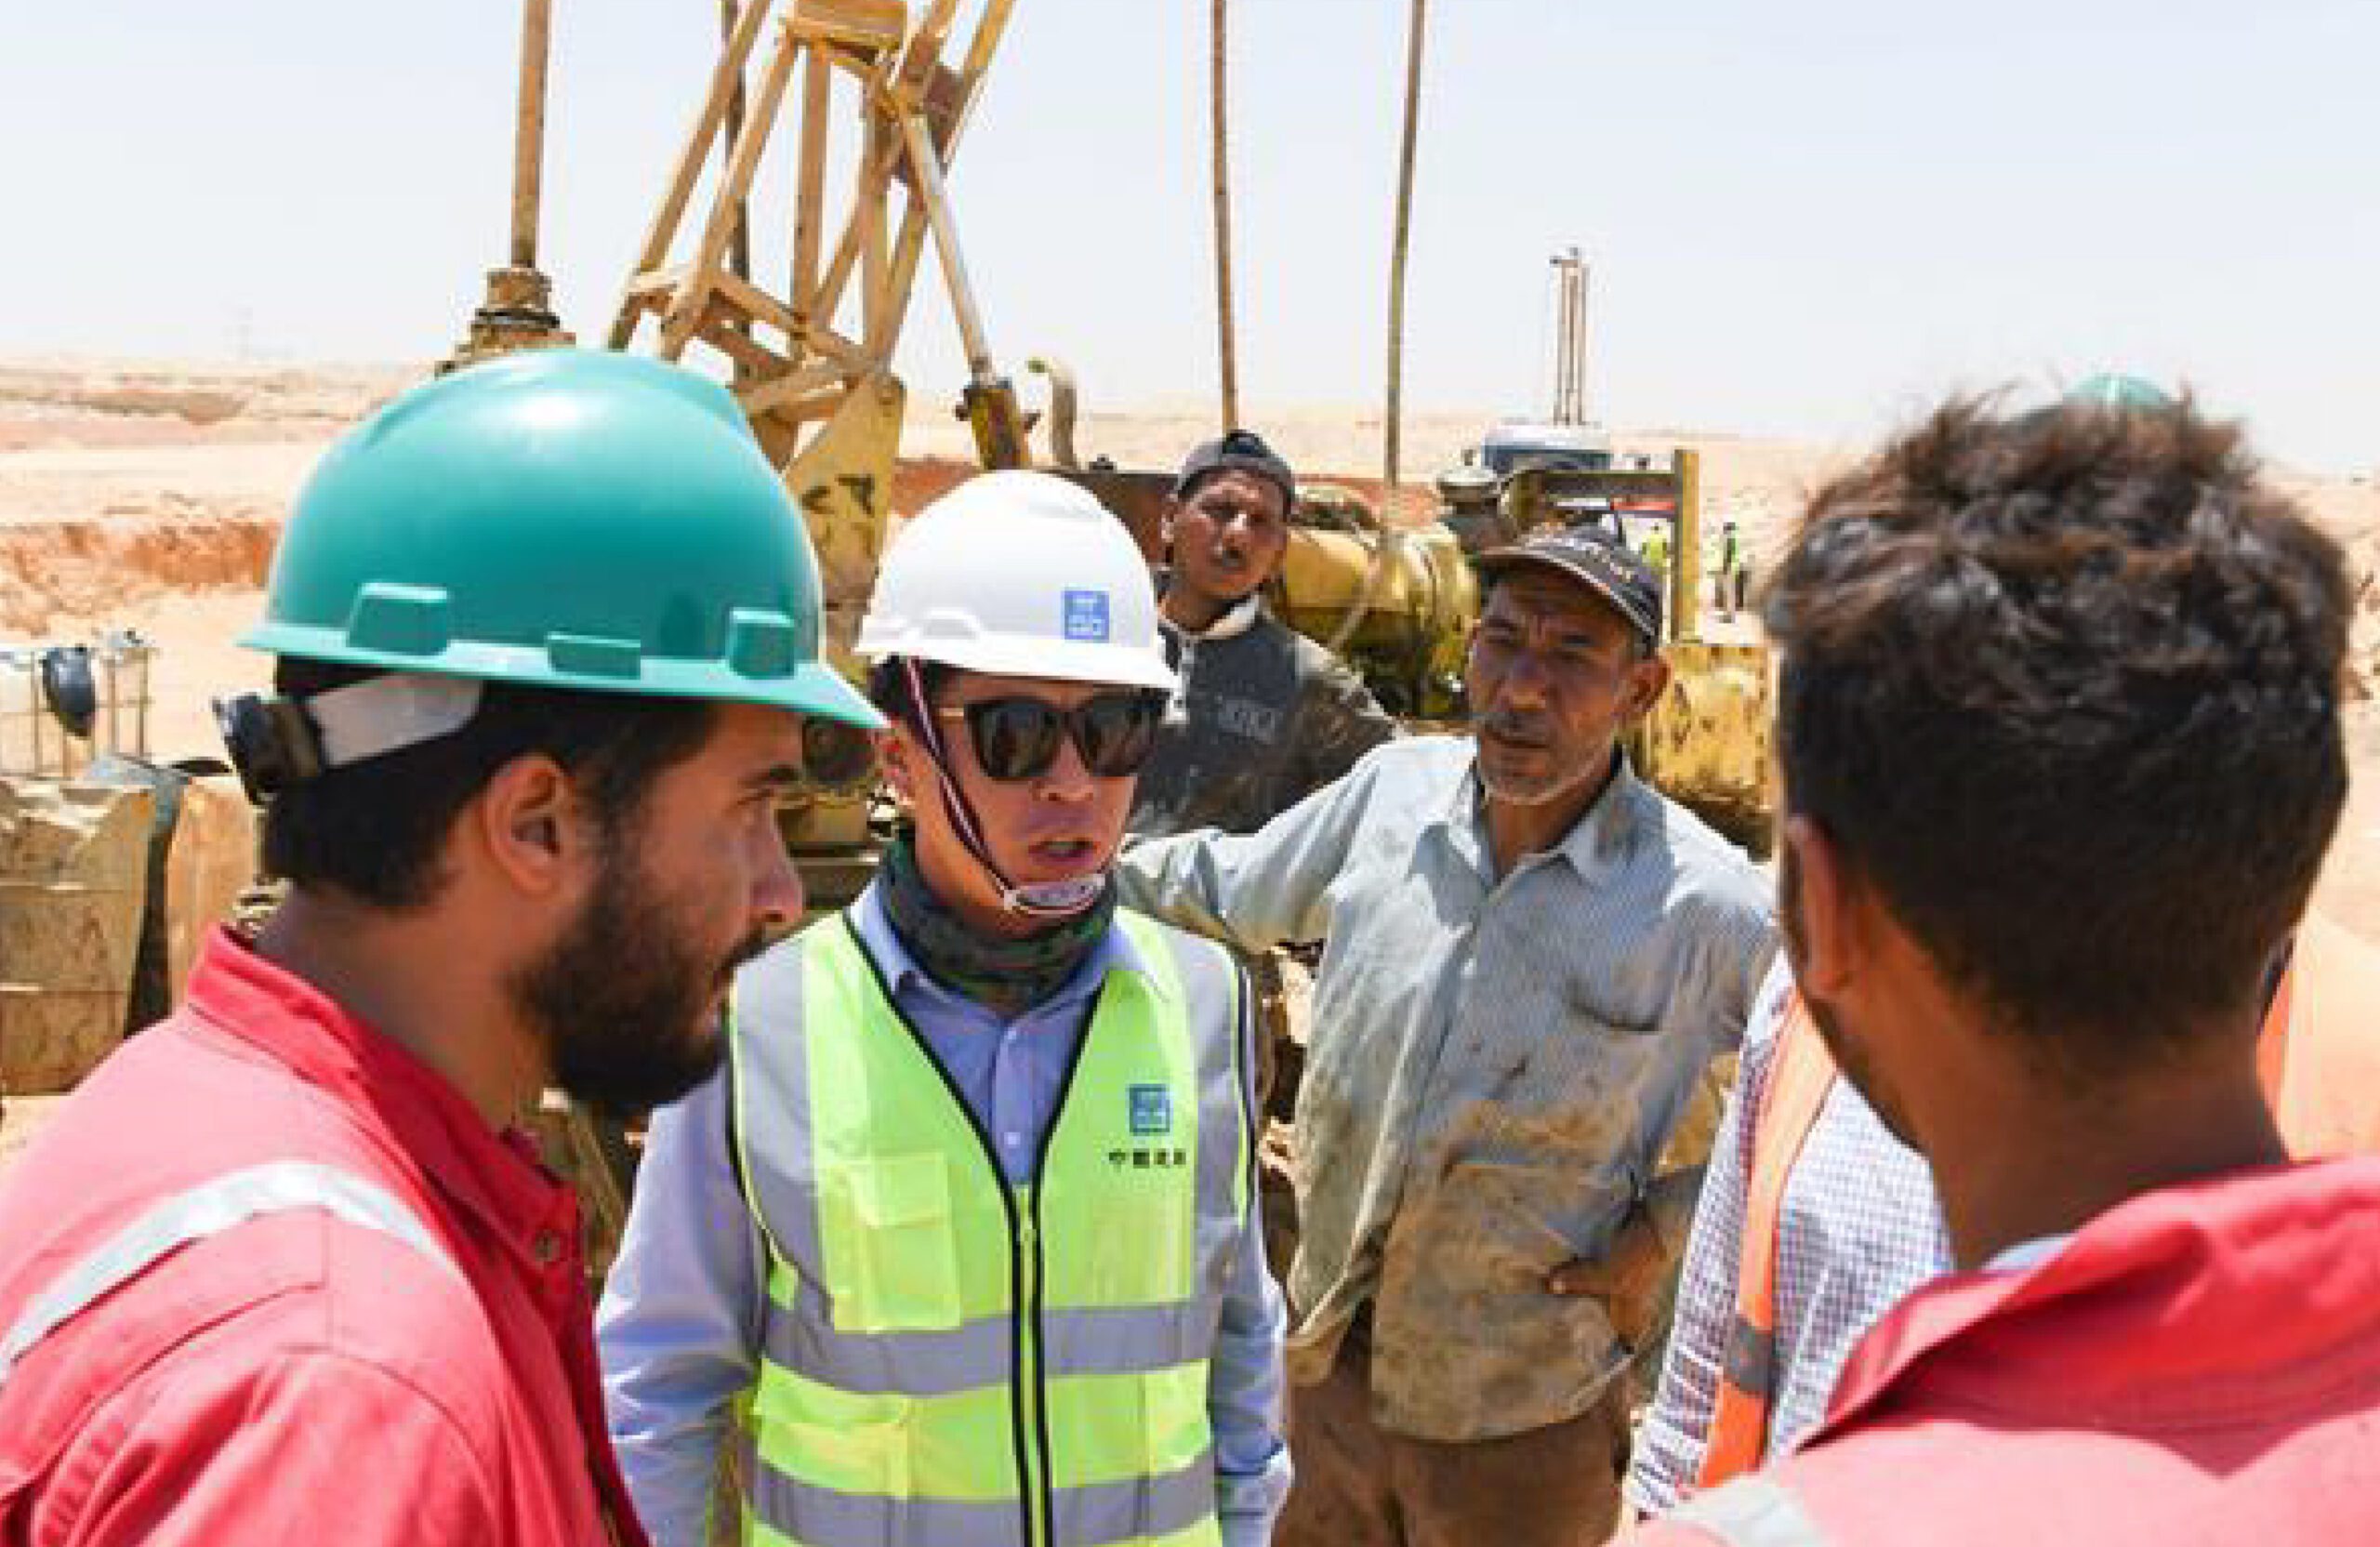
(1627, 1278)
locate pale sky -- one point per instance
(1803, 219)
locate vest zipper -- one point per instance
(1030, 1399)
(1031, 1238)
(1025, 1427)
(1028, 1404)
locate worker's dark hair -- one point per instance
(888, 689)
(2064, 687)
(375, 830)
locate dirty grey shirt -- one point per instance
(1495, 1063)
(1266, 717)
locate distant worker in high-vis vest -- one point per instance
(962, 1245)
(285, 1269)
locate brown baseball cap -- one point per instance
(1596, 557)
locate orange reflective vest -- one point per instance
(2318, 1057)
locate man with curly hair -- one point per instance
(2060, 737)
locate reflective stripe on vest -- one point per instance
(946, 1358)
(210, 1208)
(1751, 1512)
(1800, 1075)
(1801, 1072)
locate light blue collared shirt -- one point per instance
(679, 1328)
(1497, 1065)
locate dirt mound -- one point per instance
(197, 405)
(55, 571)
(71, 405)
(918, 481)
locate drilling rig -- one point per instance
(868, 90)
(884, 90)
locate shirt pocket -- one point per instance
(888, 1220)
(1564, 1142)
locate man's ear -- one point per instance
(1165, 525)
(1827, 901)
(1647, 680)
(535, 827)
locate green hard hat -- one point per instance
(2112, 390)
(563, 518)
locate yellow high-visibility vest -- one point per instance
(946, 1358)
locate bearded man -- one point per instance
(1532, 958)
(285, 1269)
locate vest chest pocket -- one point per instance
(890, 1245)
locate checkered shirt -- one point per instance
(1861, 1228)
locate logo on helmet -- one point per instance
(1086, 616)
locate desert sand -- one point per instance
(147, 494)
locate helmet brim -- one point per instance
(1121, 666)
(812, 687)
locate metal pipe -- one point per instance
(1390, 538)
(1579, 345)
(739, 240)
(1565, 388)
(1218, 111)
(529, 139)
(108, 658)
(140, 712)
(1686, 562)
(1393, 425)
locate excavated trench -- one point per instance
(55, 571)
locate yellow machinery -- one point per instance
(883, 91)
(1405, 628)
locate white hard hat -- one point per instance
(1019, 573)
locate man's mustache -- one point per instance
(1505, 725)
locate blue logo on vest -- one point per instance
(1152, 1109)
(1086, 616)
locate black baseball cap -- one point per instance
(1241, 450)
(1596, 557)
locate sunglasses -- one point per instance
(1018, 738)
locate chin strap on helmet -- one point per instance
(1033, 899)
